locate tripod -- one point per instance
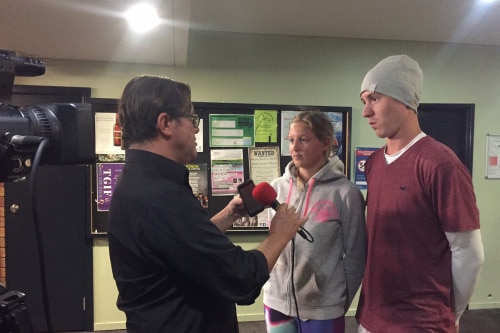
(13, 312)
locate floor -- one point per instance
(473, 321)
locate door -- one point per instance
(62, 200)
(451, 124)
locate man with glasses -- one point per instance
(174, 268)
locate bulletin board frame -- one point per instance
(207, 109)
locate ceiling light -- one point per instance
(142, 17)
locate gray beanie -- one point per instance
(397, 76)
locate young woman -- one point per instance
(314, 281)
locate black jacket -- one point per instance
(175, 271)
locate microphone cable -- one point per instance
(306, 235)
(292, 281)
(38, 233)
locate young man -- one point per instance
(424, 243)
(174, 269)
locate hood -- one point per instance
(334, 169)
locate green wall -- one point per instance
(270, 69)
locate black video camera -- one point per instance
(67, 127)
(13, 313)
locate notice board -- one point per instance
(236, 142)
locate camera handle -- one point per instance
(14, 314)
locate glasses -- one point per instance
(194, 118)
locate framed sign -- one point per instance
(492, 156)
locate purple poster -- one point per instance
(107, 175)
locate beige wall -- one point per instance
(239, 68)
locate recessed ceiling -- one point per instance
(97, 30)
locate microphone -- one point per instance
(266, 195)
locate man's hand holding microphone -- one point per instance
(283, 227)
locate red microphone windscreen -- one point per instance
(264, 193)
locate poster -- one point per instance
(199, 137)
(108, 138)
(493, 156)
(286, 120)
(198, 179)
(227, 171)
(266, 126)
(361, 156)
(264, 164)
(231, 130)
(107, 175)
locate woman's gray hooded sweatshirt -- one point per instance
(327, 272)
